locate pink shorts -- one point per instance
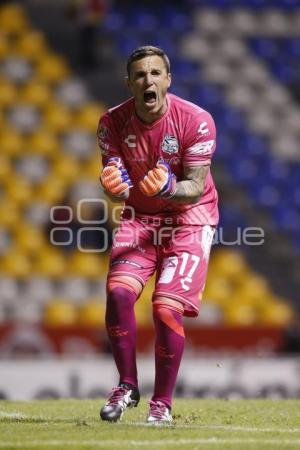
(179, 255)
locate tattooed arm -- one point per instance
(191, 188)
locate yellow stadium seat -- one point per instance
(16, 264)
(19, 190)
(277, 313)
(89, 115)
(66, 167)
(238, 314)
(143, 312)
(11, 142)
(13, 19)
(57, 117)
(52, 68)
(43, 142)
(30, 239)
(218, 290)
(32, 46)
(229, 264)
(87, 265)
(92, 313)
(255, 290)
(35, 92)
(51, 190)
(50, 263)
(146, 295)
(8, 93)
(4, 46)
(60, 312)
(143, 307)
(5, 168)
(9, 213)
(91, 168)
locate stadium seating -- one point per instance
(49, 153)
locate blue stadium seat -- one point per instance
(233, 120)
(292, 48)
(252, 145)
(227, 146)
(287, 218)
(277, 170)
(113, 21)
(254, 3)
(290, 186)
(265, 48)
(207, 96)
(126, 44)
(184, 70)
(181, 90)
(243, 170)
(265, 194)
(166, 42)
(218, 4)
(231, 217)
(141, 20)
(172, 19)
(285, 70)
(286, 4)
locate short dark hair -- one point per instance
(147, 50)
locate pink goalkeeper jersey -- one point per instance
(184, 136)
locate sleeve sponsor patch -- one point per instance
(102, 131)
(104, 147)
(201, 148)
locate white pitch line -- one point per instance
(214, 427)
(21, 416)
(12, 415)
(162, 442)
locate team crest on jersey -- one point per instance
(170, 144)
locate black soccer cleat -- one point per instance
(121, 397)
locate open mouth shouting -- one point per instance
(150, 97)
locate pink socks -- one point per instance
(121, 330)
(169, 344)
(169, 348)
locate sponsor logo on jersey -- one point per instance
(201, 148)
(130, 140)
(130, 245)
(170, 144)
(203, 128)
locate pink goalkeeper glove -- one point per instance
(115, 179)
(159, 181)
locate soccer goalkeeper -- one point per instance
(156, 150)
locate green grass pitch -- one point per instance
(198, 424)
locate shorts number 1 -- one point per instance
(188, 278)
